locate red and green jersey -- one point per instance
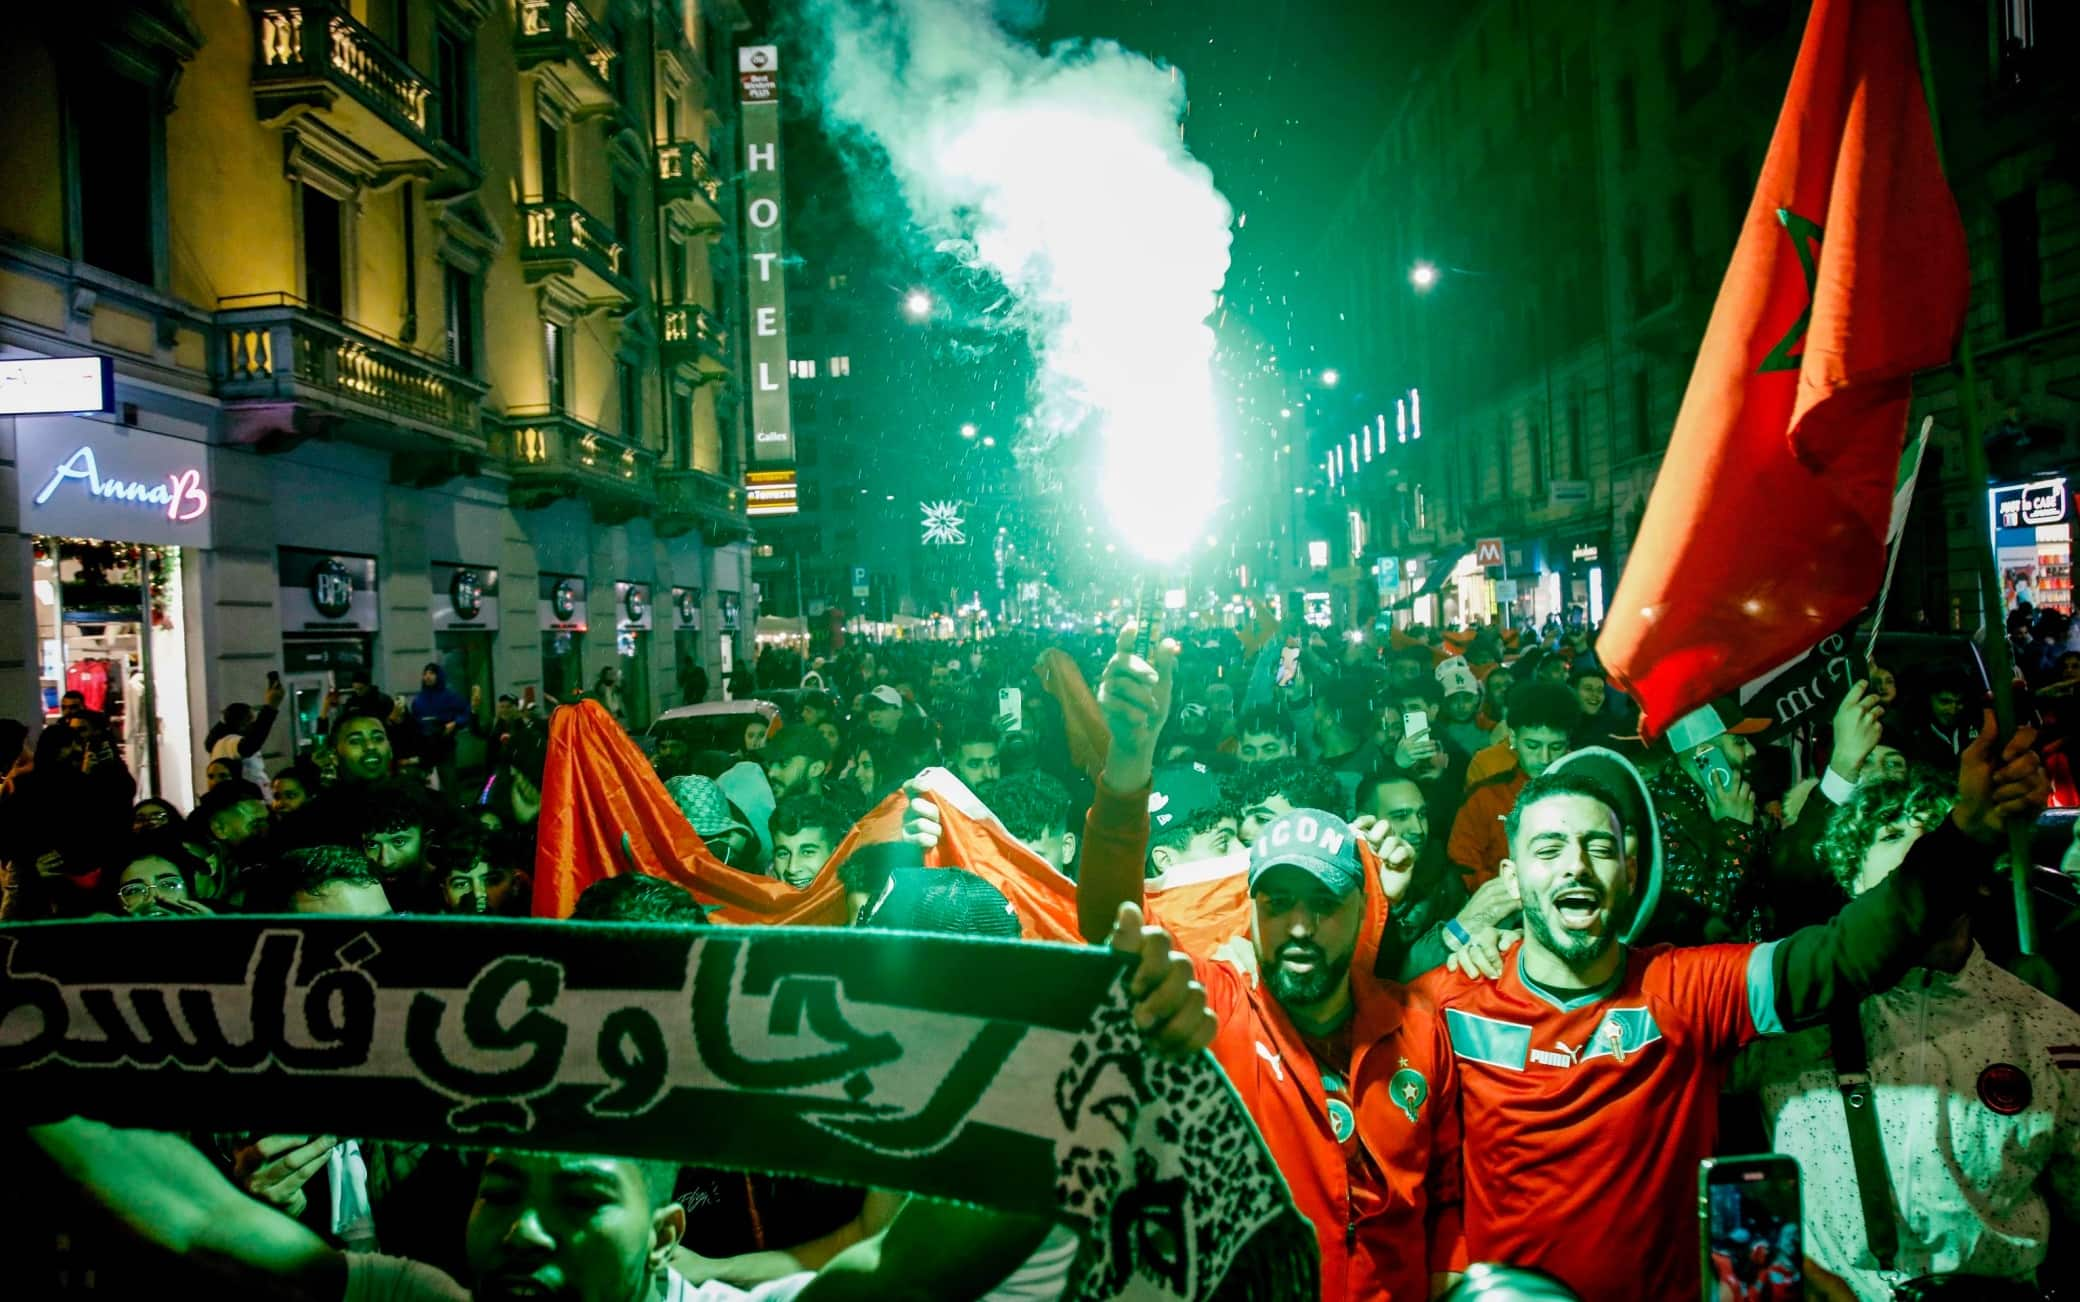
(1584, 1119)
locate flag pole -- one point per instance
(1999, 667)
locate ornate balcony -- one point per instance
(552, 455)
(560, 38)
(689, 186)
(695, 499)
(287, 373)
(566, 244)
(312, 57)
(694, 340)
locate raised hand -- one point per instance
(274, 1168)
(1170, 1004)
(1994, 789)
(1856, 730)
(1134, 697)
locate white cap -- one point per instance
(1456, 676)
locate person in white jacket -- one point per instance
(1974, 1078)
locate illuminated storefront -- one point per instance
(117, 519)
(2032, 525)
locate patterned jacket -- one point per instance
(1717, 867)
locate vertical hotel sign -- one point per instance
(769, 484)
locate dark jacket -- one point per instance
(1714, 871)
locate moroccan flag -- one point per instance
(1766, 530)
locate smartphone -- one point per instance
(1011, 708)
(527, 697)
(1711, 764)
(274, 678)
(1751, 1228)
(1414, 724)
(1288, 662)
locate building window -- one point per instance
(671, 116)
(324, 252)
(1503, 452)
(548, 148)
(454, 80)
(113, 124)
(1682, 226)
(553, 350)
(2022, 265)
(675, 270)
(1567, 457)
(840, 366)
(1635, 268)
(1538, 460)
(624, 212)
(1642, 414)
(802, 369)
(682, 428)
(460, 309)
(629, 387)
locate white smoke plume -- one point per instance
(1064, 174)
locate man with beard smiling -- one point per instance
(1323, 1053)
(1587, 1078)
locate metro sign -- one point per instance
(1488, 551)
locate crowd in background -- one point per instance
(1433, 734)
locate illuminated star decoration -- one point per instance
(942, 523)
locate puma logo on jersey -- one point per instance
(1270, 1055)
(1566, 1057)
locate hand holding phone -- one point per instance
(1751, 1228)
(1289, 662)
(1011, 709)
(1414, 724)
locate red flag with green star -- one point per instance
(1766, 529)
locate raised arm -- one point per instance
(165, 1191)
(1134, 698)
(1882, 933)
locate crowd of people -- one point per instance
(1509, 973)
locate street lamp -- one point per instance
(917, 305)
(1423, 276)
(968, 430)
(1330, 377)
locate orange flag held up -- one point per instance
(1089, 740)
(605, 812)
(1766, 529)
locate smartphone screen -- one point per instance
(1753, 1228)
(1288, 664)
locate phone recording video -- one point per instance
(1753, 1231)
